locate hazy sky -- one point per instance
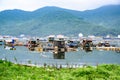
(30, 5)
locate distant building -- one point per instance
(118, 36)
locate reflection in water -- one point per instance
(88, 49)
(10, 47)
(23, 56)
(59, 55)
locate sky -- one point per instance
(31, 5)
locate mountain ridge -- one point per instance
(55, 20)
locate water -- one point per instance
(23, 56)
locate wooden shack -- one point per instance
(51, 38)
(31, 45)
(59, 46)
(1, 42)
(87, 45)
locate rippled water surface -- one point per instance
(23, 55)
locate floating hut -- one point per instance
(59, 44)
(51, 38)
(87, 45)
(31, 45)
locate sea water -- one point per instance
(23, 56)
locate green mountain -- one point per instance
(54, 20)
(108, 16)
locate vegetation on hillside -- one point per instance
(10, 71)
(54, 20)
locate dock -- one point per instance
(117, 49)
